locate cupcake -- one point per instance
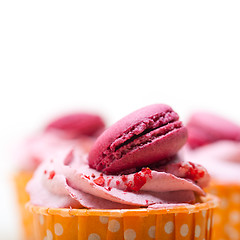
(214, 142)
(77, 130)
(132, 185)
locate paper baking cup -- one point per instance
(181, 222)
(226, 221)
(20, 181)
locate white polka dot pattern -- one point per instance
(148, 227)
(113, 225)
(184, 230)
(226, 219)
(197, 231)
(234, 216)
(94, 236)
(204, 213)
(208, 224)
(103, 219)
(58, 229)
(169, 227)
(49, 235)
(41, 219)
(151, 232)
(129, 234)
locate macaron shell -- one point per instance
(166, 145)
(204, 128)
(116, 130)
(78, 124)
(160, 148)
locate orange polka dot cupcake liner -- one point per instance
(181, 222)
(20, 181)
(226, 219)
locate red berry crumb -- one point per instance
(100, 181)
(124, 178)
(129, 186)
(51, 175)
(194, 173)
(109, 181)
(139, 181)
(147, 171)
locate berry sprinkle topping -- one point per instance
(194, 173)
(51, 175)
(100, 181)
(139, 179)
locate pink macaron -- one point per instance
(205, 128)
(78, 124)
(147, 136)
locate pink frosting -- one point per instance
(221, 158)
(43, 145)
(67, 181)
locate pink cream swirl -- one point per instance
(66, 180)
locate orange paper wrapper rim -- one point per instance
(208, 202)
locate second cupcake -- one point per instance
(214, 142)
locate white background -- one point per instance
(111, 57)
